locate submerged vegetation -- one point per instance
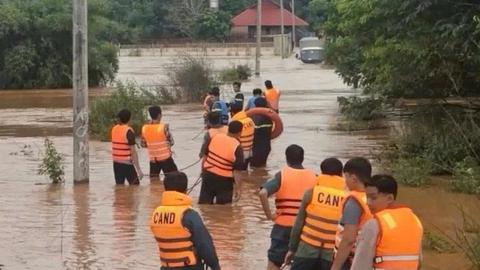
(52, 163)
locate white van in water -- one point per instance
(311, 50)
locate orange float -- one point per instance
(277, 128)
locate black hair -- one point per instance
(176, 181)
(360, 167)
(331, 166)
(154, 111)
(268, 84)
(239, 84)
(257, 91)
(215, 91)
(294, 154)
(235, 127)
(124, 116)
(261, 102)
(385, 184)
(236, 107)
(214, 118)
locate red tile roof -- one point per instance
(270, 16)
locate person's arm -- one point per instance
(269, 188)
(204, 148)
(202, 241)
(133, 151)
(168, 134)
(350, 220)
(366, 245)
(237, 166)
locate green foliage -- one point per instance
(466, 176)
(129, 96)
(36, 44)
(52, 163)
(413, 171)
(236, 73)
(405, 48)
(191, 77)
(435, 242)
(468, 240)
(212, 26)
(361, 108)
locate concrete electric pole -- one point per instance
(282, 30)
(80, 92)
(259, 38)
(293, 25)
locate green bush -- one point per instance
(130, 96)
(435, 242)
(237, 73)
(52, 163)
(191, 77)
(466, 177)
(412, 171)
(361, 108)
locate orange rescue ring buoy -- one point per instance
(277, 122)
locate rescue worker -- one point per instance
(220, 106)
(272, 95)
(288, 185)
(215, 127)
(223, 157)
(313, 235)
(239, 97)
(246, 136)
(157, 138)
(183, 240)
(262, 136)
(355, 212)
(124, 154)
(257, 92)
(393, 238)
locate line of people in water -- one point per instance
(343, 218)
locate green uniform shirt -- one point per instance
(301, 248)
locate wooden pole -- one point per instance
(259, 38)
(80, 92)
(282, 30)
(293, 25)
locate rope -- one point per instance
(198, 134)
(180, 170)
(196, 183)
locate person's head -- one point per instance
(235, 107)
(214, 118)
(294, 154)
(155, 112)
(331, 166)
(215, 91)
(261, 102)
(257, 92)
(237, 86)
(357, 172)
(176, 181)
(124, 116)
(381, 192)
(235, 128)
(268, 84)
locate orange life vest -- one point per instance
(288, 198)
(157, 143)
(221, 155)
(323, 212)
(246, 136)
(214, 131)
(400, 239)
(120, 147)
(273, 97)
(174, 241)
(361, 198)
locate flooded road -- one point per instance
(102, 226)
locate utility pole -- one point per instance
(80, 92)
(282, 29)
(293, 25)
(259, 38)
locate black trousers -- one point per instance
(166, 166)
(216, 188)
(125, 171)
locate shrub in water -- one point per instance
(412, 171)
(466, 177)
(52, 163)
(433, 241)
(361, 108)
(237, 73)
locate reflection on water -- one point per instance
(101, 226)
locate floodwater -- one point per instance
(103, 226)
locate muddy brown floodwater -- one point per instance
(103, 226)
